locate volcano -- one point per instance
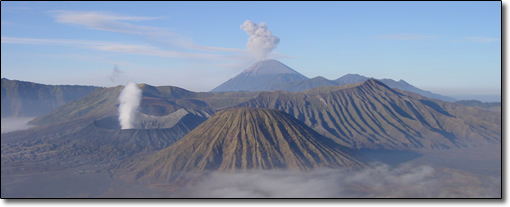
(241, 139)
(260, 77)
(100, 141)
(372, 115)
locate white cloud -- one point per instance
(405, 37)
(113, 47)
(422, 37)
(380, 181)
(109, 22)
(117, 23)
(7, 23)
(15, 123)
(483, 39)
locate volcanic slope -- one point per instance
(372, 115)
(260, 77)
(240, 139)
(50, 147)
(156, 101)
(401, 84)
(303, 84)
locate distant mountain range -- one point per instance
(270, 75)
(491, 106)
(27, 99)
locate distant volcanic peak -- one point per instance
(349, 75)
(266, 67)
(403, 82)
(261, 76)
(319, 78)
(354, 75)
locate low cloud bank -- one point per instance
(15, 124)
(380, 181)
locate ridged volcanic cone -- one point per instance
(240, 139)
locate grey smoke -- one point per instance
(129, 99)
(261, 41)
(116, 74)
(405, 181)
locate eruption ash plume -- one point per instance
(261, 41)
(129, 99)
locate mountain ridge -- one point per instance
(303, 85)
(362, 115)
(373, 115)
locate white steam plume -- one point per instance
(261, 41)
(129, 99)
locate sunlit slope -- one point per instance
(239, 139)
(372, 115)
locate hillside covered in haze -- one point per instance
(27, 99)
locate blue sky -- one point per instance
(450, 48)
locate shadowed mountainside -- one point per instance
(27, 99)
(241, 139)
(372, 115)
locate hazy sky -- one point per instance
(444, 47)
